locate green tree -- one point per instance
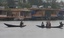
(35, 2)
(11, 3)
(23, 5)
(54, 4)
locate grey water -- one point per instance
(30, 30)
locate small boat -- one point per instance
(49, 27)
(9, 25)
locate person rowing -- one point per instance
(42, 25)
(61, 25)
(21, 24)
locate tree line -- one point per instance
(46, 3)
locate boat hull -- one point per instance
(49, 27)
(9, 25)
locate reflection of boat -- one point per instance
(50, 27)
(9, 25)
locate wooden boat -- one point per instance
(49, 27)
(9, 25)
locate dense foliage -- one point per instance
(24, 4)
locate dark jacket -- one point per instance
(21, 23)
(48, 25)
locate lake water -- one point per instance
(30, 30)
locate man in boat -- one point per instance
(42, 25)
(61, 25)
(48, 24)
(21, 24)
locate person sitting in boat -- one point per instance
(48, 24)
(21, 23)
(42, 24)
(61, 24)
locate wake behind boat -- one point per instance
(9, 25)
